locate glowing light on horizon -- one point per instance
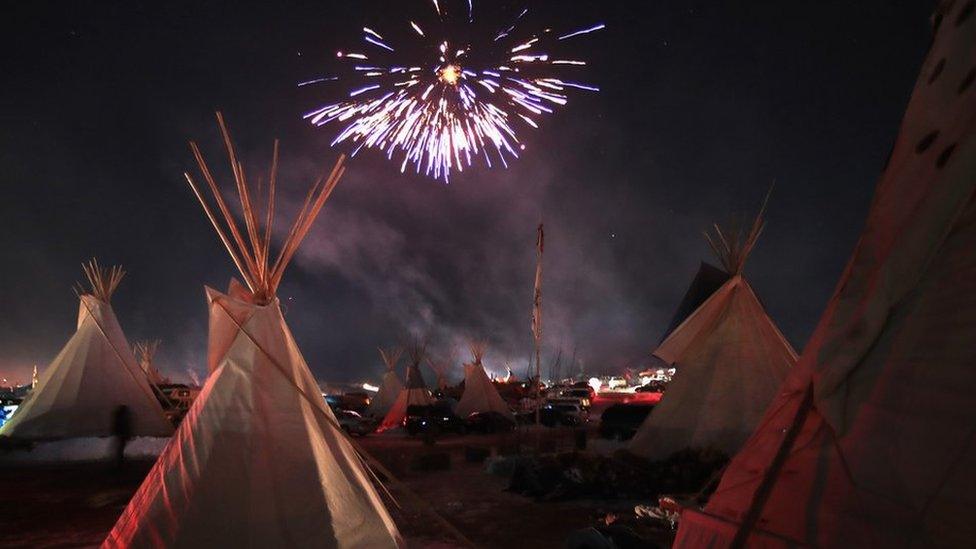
(441, 117)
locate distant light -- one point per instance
(371, 388)
(595, 383)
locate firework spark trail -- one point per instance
(443, 117)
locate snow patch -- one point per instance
(85, 449)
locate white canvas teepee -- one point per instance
(440, 369)
(91, 377)
(731, 360)
(145, 352)
(480, 394)
(390, 389)
(415, 392)
(870, 442)
(259, 460)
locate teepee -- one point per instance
(390, 389)
(415, 392)
(707, 281)
(730, 360)
(480, 394)
(440, 369)
(145, 352)
(92, 376)
(870, 442)
(259, 460)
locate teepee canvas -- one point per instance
(145, 352)
(707, 281)
(259, 460)
(480, 394)
(439, 373)
(730, 360)
(93, 375)
(870, 443)
(441, 368)
(415, 392)
(390, 389)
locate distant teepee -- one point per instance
(259, 460)
(414, 393)
(730, 359)
(390, 389)
(145, 352)
(480, 394)
(93, 375)
(440, 369)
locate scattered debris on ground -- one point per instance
(573, 475)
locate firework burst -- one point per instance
(439, 104)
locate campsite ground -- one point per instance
(75, 506)
(477, 502)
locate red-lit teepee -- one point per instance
(390, 389)
(414, 393)
(872, 440)
(259, 460)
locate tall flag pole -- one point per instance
(537, 317)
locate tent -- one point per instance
(871, 441)
(259, 460)
(145, 352)
(440, 370)
(480, 394)
(730, 360)
(93, 375)
(707, 281)
(391, 386)
(414, 393)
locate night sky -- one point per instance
(703, 105)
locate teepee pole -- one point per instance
(220, 232)
(269, 219)
(222, 205)
(537, 319)
(304, 220)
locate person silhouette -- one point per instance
(122, 431)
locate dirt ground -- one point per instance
(475, 502)
(76, 506)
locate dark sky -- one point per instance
(703, 105)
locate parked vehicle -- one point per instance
(652, 387)
(488, 422)
(583, 385)
(582, 397)
(353, 423)
(356, 401)
(616, 382)
(559, 413)
(334, 401)
(622, 420)
(434, 419)
(586, 391)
